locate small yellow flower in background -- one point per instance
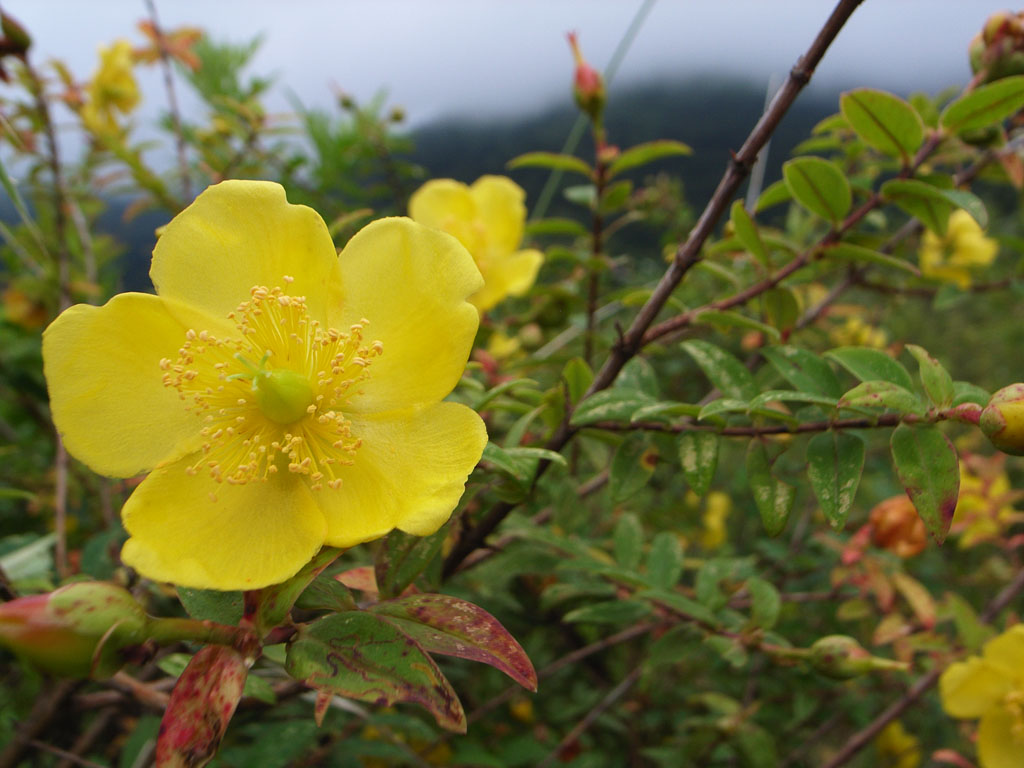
(991, 687)
(964, 250)
(488, 218)
(985, 507)
(113, 88)
(502, 346)
(717, 507)
(856, 333)
(282, 397)
(896, 748)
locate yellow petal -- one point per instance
(1007, 651)
(411, 283)
(238, 234)
(447, 205)
(997, 745)
(106, 387)
(970, 688)
(510, 275)
(409, 473)
(501, 211)
(253, 535)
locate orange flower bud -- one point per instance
(896, 526)
(1002, 420)
(588, 85)
(77, 631)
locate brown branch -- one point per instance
(686, 257)
(883, 420)
(44, 710)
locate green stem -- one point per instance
(172, 630)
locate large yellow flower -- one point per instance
(488, 218)
(112, 87)
(991, 687)
(283, 396)
(964, 249)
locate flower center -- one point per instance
(284, 412)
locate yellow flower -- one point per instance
(856, 333)
(283, 397)
(985, 506)
(488, 218)
(991, 687)
(716, 510)
(952, 259)
(896, 748)
(113, 87)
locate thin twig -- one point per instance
(172, 102)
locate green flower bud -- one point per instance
(841, 657)
(1002, 420)
(76, 631)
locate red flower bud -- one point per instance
(76, 631)
(588, 85)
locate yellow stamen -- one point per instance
(286, 412)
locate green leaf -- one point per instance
(556, 226)
(276, 601)
(632, 466)
(773, 194)
(454, 627)
(819, 186)
(973, 632)
(727, 373)
(931, 204)
(966, 392)
(723, 405)
(212, 605)
(835, 461)
(773, 497)
(645, 153)
(610, 612)
(665, 560)
(788, 396)
(629, 541)
(402, 557)
(781, 309)
(582, 194)
(804, 370)
(765, 602)
(988, 105)
(664, 411)
(732, 319)
(746, 232)
(366, 657)
(937, 382)
(578, 378)
(869, 364)
(883, 121)
(928, 468)
(698, 456)
(506, 386)
(861, 255)
(551, 160)
(684, 606)
(883, 394)
(615, 404)
(615, 196)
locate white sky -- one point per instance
(486, 57)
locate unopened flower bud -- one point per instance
(1002, 420)
(998, 50)
(587, 85)
(76, 631)
(896, 526)
(841, 657)
(16, 40)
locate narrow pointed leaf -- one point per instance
(988, 105)
(819, 186)
(366, 657)
(454, 627)
(723, 369)
(276, 601)
(861, 255)
(835, 461)
(402, 557)
(928, 468)
(629, 541)
(551, 160)
(610, 612)
(665, 560)
(645, 153)
(765, 602)
(787, 396)
(615, 404)
(730, 319)
(883, 121)
(746, 232)
(773, 497)
(869, 364)
(698, 456)
(804, 370)
(937, 382)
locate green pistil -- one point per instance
(283, 396)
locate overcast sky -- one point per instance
(486, 57)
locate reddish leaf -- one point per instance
(454, 627)
(201, 706)
(362, 578)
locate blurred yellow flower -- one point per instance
(281, 396)
(488, 218)
(113, 88)
(501, 346)
(985, 507)
(991, 687)
(717, 507)
(856, 333)
(896, 748)
(964, 249)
